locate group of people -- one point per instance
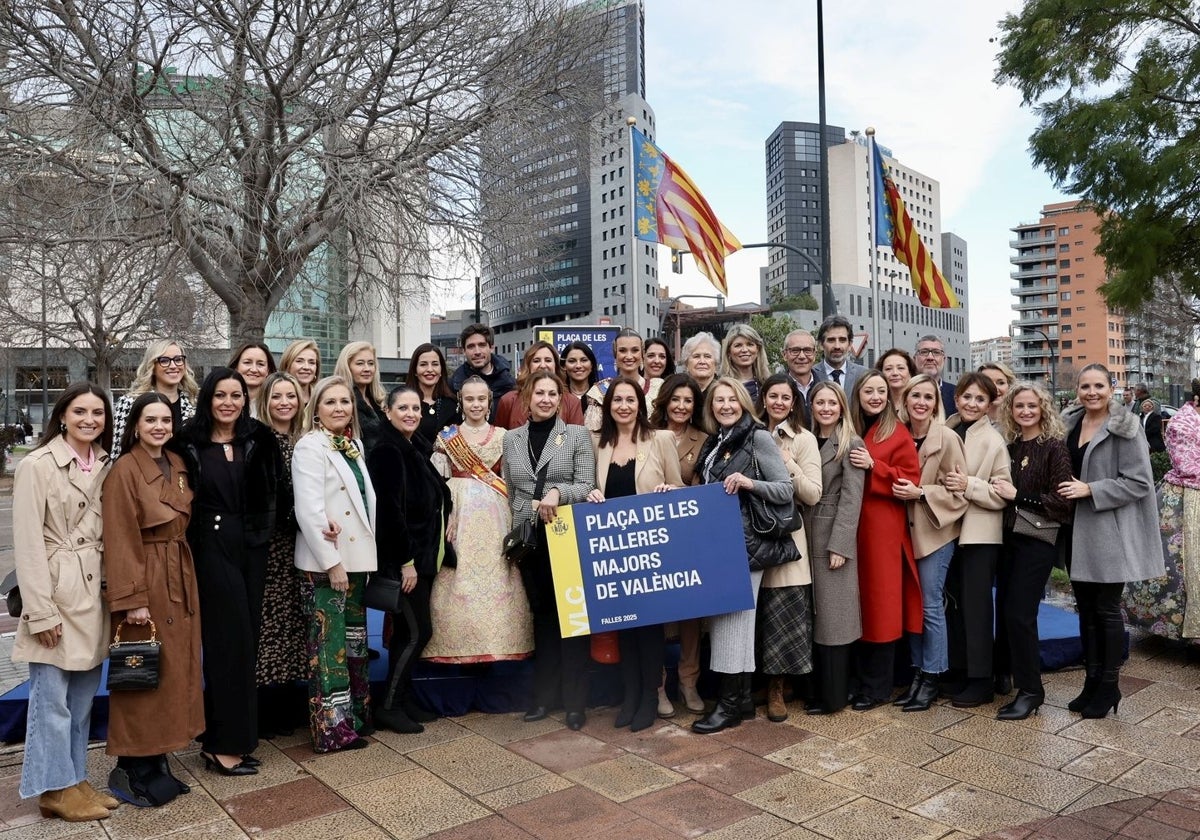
(244, 520)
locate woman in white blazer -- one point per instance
(335, 549)
(633, 458)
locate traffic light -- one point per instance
(676, 261)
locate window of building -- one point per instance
(1066, 296)
(1064, 264)
(1066, 345)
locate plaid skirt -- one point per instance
(785, 630)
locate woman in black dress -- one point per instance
(427, 376)
(235, 466)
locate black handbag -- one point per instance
(133, 666)
(383, 592)
(522, 541)
(769, 520)
(12, 594)
(1029, 524)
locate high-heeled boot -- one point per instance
(1091, 682)
(1107, 696)
(727, 712)
(906, 698)
(926, 693)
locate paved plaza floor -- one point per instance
(946, 773)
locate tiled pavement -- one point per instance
(947, 773)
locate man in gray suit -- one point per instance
(834, 336)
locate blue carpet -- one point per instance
(454, 690)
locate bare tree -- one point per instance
(83, 275)
(260, 131)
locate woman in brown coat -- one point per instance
(151, 581)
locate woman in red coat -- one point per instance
(889, 587)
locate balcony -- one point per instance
(1034, 273)
(1037, 321)
(1046, 237)
(1034, 289)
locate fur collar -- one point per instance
(1121, 421)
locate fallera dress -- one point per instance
(480, 612)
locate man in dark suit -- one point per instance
(931, 358)
(1146, 409)
(834, 336)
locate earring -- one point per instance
(62, 428)
(137, 436)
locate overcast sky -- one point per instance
(722, 75)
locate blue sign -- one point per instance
(648, 559)
(600, 339)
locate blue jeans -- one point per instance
(929, 650)
(56, 732)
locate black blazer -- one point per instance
(413, 503)
(264, 471)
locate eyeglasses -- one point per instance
(167, 361)
(930, 352)
(800, 351)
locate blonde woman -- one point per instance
(332, 485)
(744, 357)
(358, 366)
(281, 662)
(1002, 377)
(302, 359)
(832, 526)
(935, 518)
(163, 369)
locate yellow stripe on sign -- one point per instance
(568, 574)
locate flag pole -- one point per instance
(874, 209)
(631, 297)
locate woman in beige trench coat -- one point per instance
(64, 623)
(151, 581)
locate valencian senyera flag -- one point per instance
(668, 208)
(895, 228)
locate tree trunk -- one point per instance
(249, 322)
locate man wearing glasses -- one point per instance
(800, 354)
(930, 359)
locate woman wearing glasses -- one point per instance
(163, 369)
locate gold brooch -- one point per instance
(725, 457)
(180, 484)
(641, 456)
(558, 440)
(1025, 462)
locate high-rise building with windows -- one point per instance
(579, 260)
(1063, 321)
(794, 217)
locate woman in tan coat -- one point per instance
(973, 569)
(63, 629)
(785, 613)
(632, 458)
(934, 520)
(151, 581)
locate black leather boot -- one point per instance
(906, 698)
(1091, 682)
(727, 713)
(925, 694)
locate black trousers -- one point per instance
(969, 613)
(559, 665)
(642, 654)
(1101, 627)
(412, 628)
(230, 579)
(1021, 576)
(874, 669)
(831, 675)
